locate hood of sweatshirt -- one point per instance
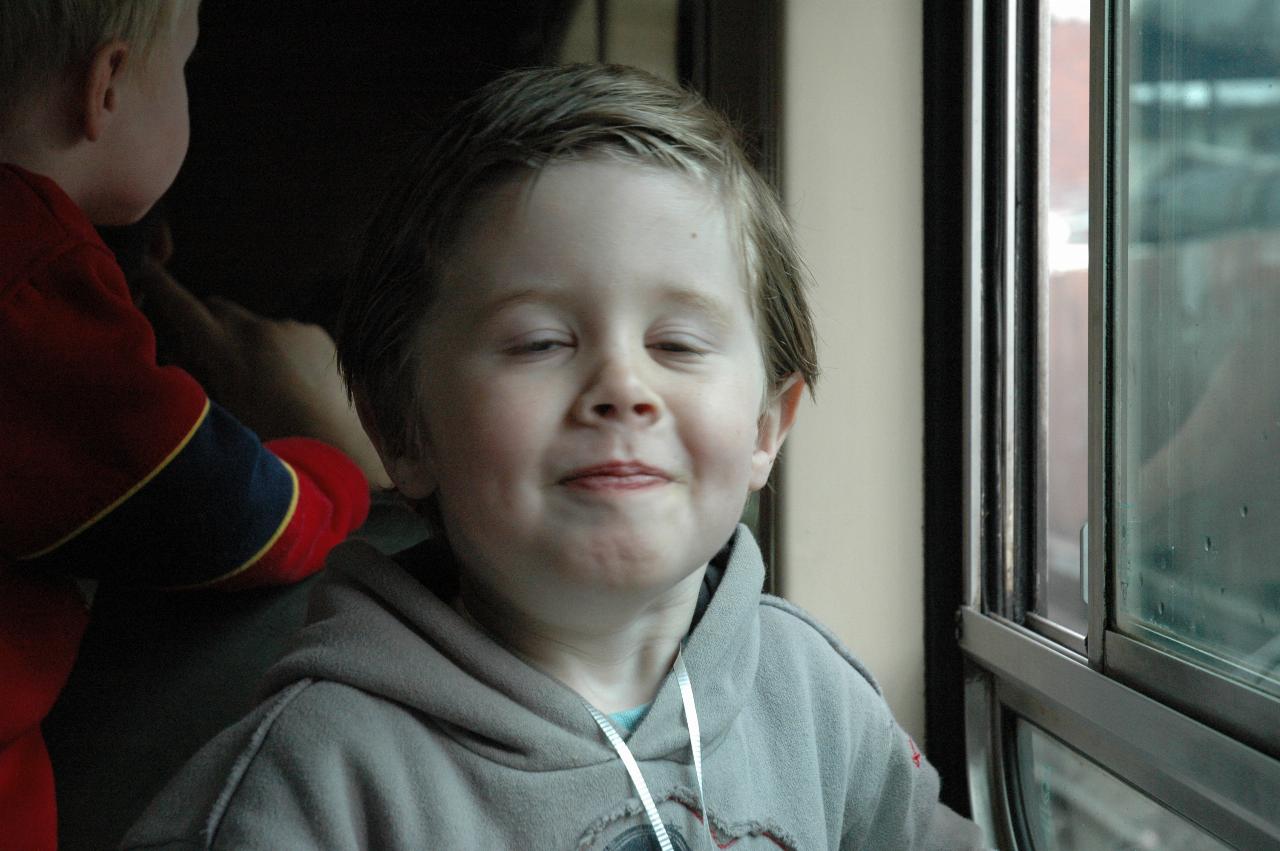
(385, 626)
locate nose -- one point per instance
(618, 392)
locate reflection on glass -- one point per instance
(1071, 803)
(1198, 354)
(1064, 265)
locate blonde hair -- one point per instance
(41, 39)
(518, 124)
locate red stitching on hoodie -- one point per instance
(734, 841)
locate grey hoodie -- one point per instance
(394, 723)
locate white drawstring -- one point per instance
(695, 735)
(633, 768)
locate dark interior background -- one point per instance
(299, 109)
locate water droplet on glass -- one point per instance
(1208, 543)
(1244, 511)
(1160, 609)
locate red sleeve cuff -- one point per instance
(333, 501)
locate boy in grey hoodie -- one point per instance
(578, 337)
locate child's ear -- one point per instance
(99, 91)
(410, 473)
(411, 476)
(775, 422)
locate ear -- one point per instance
(410, 471)
(775, 422)
(411, 475)
(99, 96)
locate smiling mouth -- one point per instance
(616, 476)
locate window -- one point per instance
(1197, 485)
(1072, 802)
(1062, 275)
(1121, 624)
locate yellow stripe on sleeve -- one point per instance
(83, 527)
(256, 557)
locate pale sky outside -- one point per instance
(1071, 10)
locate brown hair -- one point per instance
(40, 39)
(519, 123)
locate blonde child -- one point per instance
(112, 467)
(579, 338)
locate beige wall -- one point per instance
(853, 504)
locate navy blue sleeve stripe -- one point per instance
(209, 512)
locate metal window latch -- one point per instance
(1084, 561)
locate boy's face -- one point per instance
(593, 385)
(152, 128)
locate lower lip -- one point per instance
(616, 483)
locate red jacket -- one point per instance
(115, 468)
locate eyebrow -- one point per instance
(714, 309)
(488, 309)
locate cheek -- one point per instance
(483, 435)
(723, 439)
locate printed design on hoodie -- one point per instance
(626, 830)
(640, 838)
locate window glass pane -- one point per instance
(1198, 353)
(1064, 265)
(1072, 803)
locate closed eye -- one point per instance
(678, 347)
(537, 346)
